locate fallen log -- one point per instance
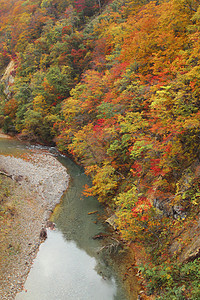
(100, 236)
(93, 212)
(111, 247)
(5, 174)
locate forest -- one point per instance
(116, 85)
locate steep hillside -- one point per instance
(116, 85)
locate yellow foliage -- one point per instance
(40, 105)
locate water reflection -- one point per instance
(68, 266)
(65, 272)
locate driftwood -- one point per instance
(17, 178)
(100, 236)
(5, 174)
(193, 256)
(93, 212)
(111, 247)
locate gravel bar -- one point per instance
(40, 181)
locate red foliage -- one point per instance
(136, 169)
(80, 5)
(99, 126)
(155, 169)
(78, 56)
(142, 205)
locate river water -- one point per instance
(69, 265)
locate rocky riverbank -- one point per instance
(34, 185)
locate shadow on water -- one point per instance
(68, 266)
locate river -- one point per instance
(69, 265)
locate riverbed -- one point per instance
(33, 184)
(69, 263)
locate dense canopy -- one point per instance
(116, 84)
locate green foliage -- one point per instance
(23, 93)
(139, 148)
(106, 110)
(8, 125)
(173, 281)
(36, 127)
(59, 80)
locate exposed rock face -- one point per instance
(8, 78)
(188, 248)
(111, 220)
(186, 241)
